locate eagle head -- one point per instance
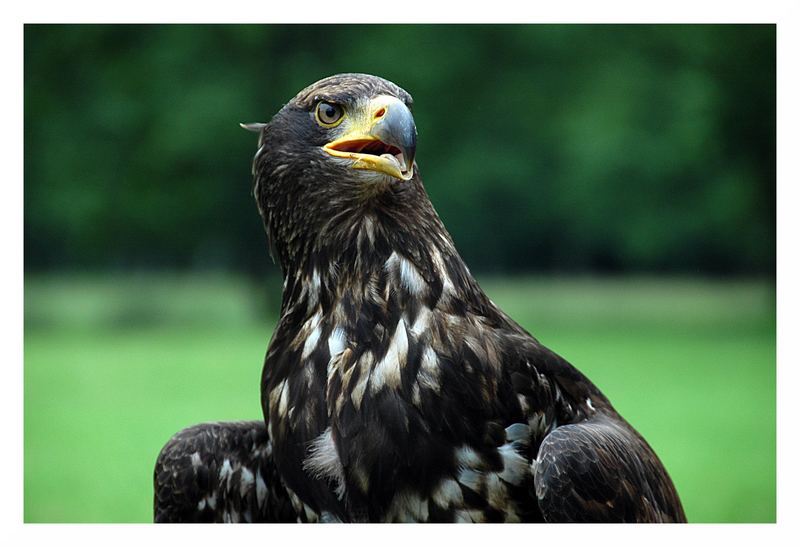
(341, 149)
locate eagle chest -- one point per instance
(364, 379)
(381, 389)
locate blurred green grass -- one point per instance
(115, 365)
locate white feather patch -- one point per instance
(328, 517)
(392, 262)
(467, 457)
(448, 288)
(408, 507)
(313, 290)
(313, 337)
(469, 515)
(387, 371)
(281, 392)
(538, 424)
(225, 473)
(311, 515)
(471, 479)
(323, 461)
(368, 227)
(336, 342)
(515, 466)
(447, 494)
(422, 321)
(411, 279)
(364, 364)
(407, 274)
(428, 374)
(518, 432)
(416, 396)
(246, 481)
(261, 489)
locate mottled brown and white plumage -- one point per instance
(393, 388)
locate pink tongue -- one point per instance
(374, 147)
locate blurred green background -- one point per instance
(612, 187)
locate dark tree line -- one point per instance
(544, 148)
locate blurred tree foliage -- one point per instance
(552, 148)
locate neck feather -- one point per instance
(376, 257)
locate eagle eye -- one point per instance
(329, 114)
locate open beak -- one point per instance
(385, 140)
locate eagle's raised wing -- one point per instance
(220, 472)
(600, 470)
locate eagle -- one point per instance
(393, 388)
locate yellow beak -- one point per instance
(383, 140)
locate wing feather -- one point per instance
(600, 470)
(220, 472)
